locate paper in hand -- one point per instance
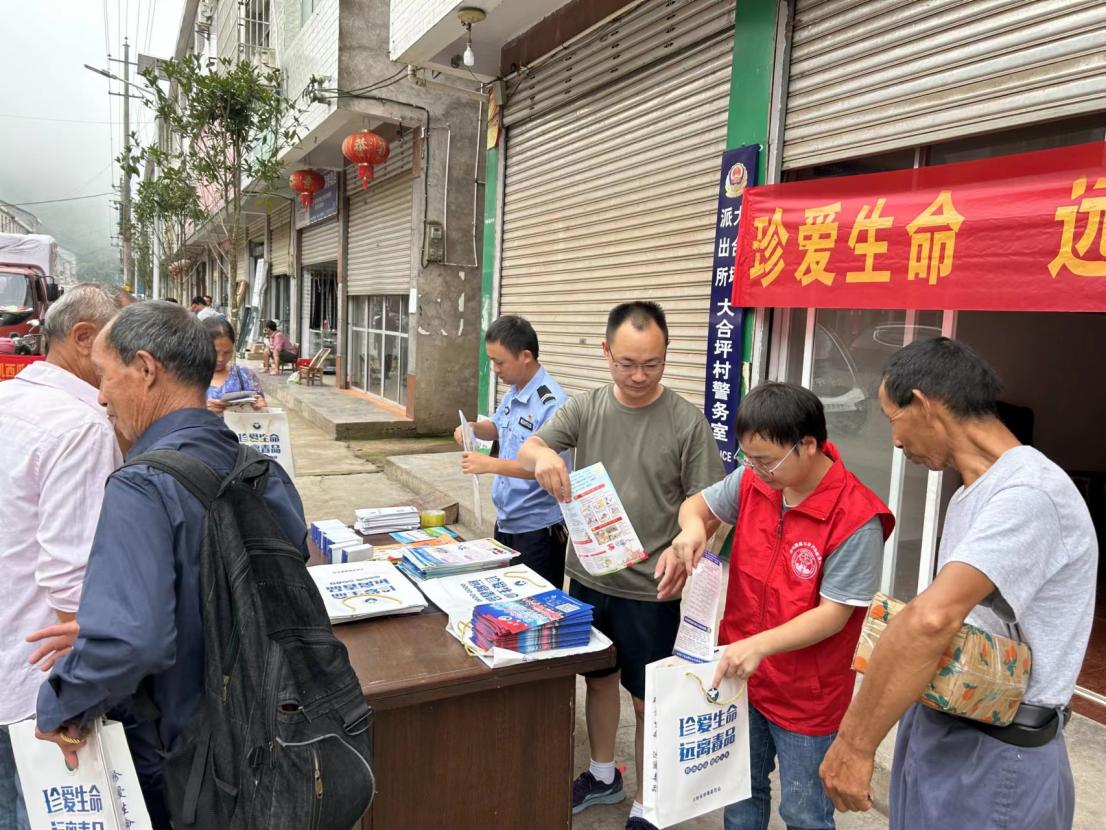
(699, 611)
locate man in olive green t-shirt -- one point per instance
(658, 450)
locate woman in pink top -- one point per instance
(278, 349)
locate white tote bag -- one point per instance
(102, 793)
(696, 747)
(267, 432)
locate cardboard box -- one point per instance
(981, 676)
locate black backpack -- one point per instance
(281, 739)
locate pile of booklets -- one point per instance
(372, 520)
(430, 561)
(544, 621)
(360, 590)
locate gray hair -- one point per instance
(171, 334)
(86, 302)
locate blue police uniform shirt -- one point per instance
(522, 505)
(140, 613)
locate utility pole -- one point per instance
(125, 207)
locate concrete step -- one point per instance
(341, 415)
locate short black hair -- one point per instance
(199, 300)
(171, 300)
(171, 334)
(640, 313)
(782, 413)
(271, 325)
(945, 370)
(513, 333)
(217, 327)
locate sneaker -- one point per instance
(587, 791)
(638, 823)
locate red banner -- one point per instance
(1014, 233)
(12, 364)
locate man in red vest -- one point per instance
(807, 554)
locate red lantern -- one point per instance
(307, 183)
(365, 149)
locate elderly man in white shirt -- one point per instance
(57, 450)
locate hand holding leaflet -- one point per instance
(469, 445)
(699, 611)
(603, 537)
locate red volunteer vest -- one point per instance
(776, 575)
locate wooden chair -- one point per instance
(313, 372)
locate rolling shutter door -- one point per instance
(614, 199)
(282, 240)
(319, 243)
(871, 77)
(380, 230)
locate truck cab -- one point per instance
(25, 294)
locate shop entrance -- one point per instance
(1051, 371)
(1052, 397)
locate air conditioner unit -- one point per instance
(264, 57)
(204, 15)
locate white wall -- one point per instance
(306, 48)
(1052, 363)
(411, 19)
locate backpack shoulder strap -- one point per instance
(195, 476)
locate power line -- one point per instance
(67, 199)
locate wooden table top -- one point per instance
(408, 659)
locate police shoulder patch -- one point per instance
(545, 394)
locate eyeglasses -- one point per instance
(650, 367)
(759, 467)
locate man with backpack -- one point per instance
(199, 626)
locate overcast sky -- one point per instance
(59, 129)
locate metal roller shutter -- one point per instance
(614, 199)
(282, 239)
(255, 232)
(319, 243)
(876, 76)
(380, 233)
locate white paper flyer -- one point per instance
(602, 536)
(699, 611)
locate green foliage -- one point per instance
(226, 130)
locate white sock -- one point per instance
(604, 773)
(637, 811)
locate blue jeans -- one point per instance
(804, 805)
(13, 812)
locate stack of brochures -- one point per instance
(544, 621)
(360, 590)
(372, 520)
(430, 561)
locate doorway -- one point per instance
(1050, 365)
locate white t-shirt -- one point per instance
(1025, 526)
(58, 450)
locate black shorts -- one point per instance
(542, 550)
(641, 631)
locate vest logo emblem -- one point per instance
(806, 561)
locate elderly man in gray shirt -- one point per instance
(1017, 558)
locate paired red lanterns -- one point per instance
(365, 149)
(307, 183)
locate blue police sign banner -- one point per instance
(726, 323)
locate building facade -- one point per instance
(386, 275)
(603, 180)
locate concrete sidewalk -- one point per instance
(339, 414)
(1086, 739)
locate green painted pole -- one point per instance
(487, 282)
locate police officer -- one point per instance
(527, 518)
